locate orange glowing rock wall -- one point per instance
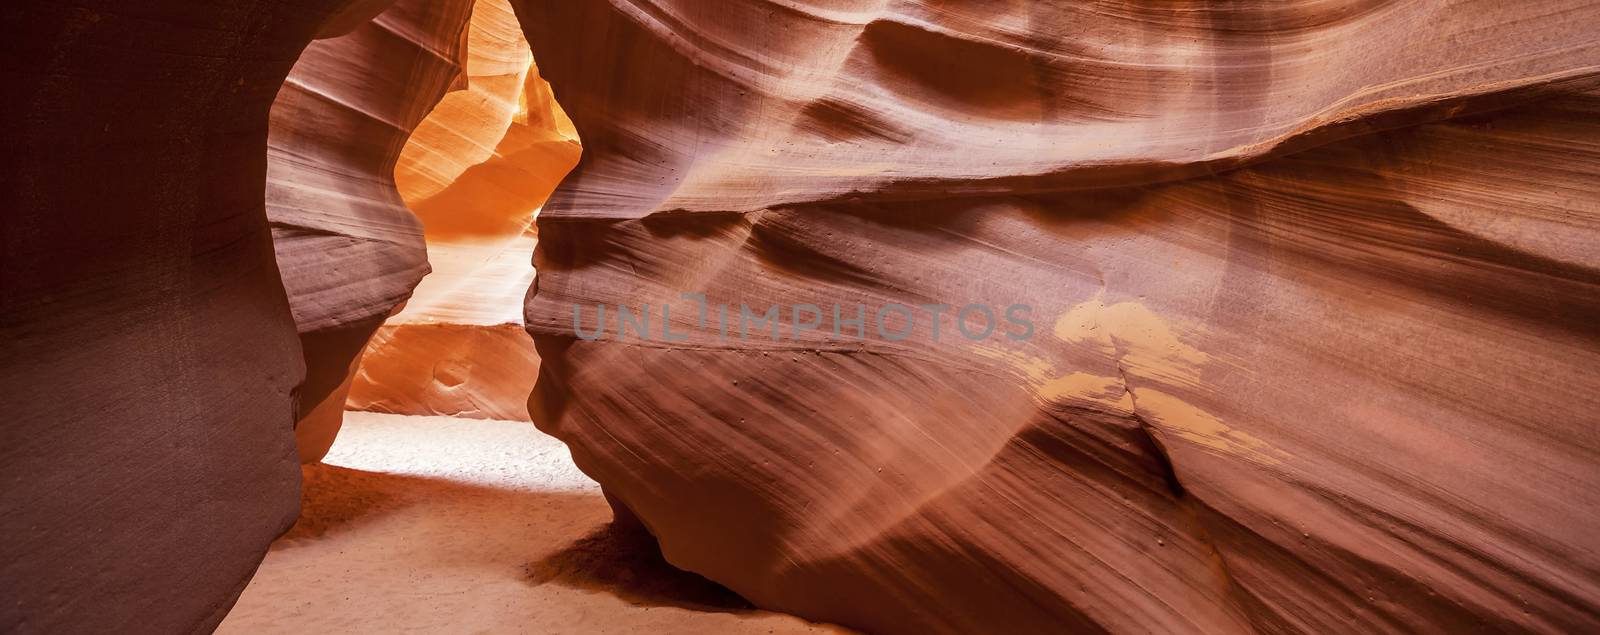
(475, 171)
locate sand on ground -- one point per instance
(444, 525)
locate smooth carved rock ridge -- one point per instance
(349, 250)
(475, 171)
(1314, 287)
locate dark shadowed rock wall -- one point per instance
(149, 356)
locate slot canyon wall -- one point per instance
(157, 365)
(149, 354)
(475, 172)
(349, 249)
(1313, 288)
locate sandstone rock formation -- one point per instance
(463, 129)
(147, 352)
(1312, 285)
(1313, 289)
(349, 249)
(476, 170)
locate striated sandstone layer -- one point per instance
(147, 352)
(475, 171)
(349, 250)
(1313, 288)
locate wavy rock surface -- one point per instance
(476, 171)
(349, 250)
(147, 351)
(1313, 290)
(462, 130)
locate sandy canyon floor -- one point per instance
(443, 525)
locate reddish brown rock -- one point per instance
(349, 249)
(1312, 289)
(147, 352)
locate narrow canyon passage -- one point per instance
(1216, 317)
(429, 501)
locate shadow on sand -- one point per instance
(625, 560)
(617, 558)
